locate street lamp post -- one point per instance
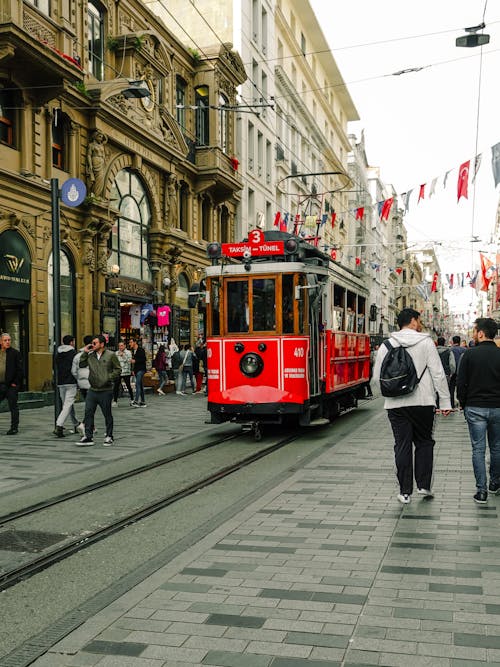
(56, 286)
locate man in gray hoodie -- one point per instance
(412, 415)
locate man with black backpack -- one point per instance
(410, 374)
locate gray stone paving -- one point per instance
(326, 570)
(35, 453)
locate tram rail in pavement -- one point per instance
(325, 569)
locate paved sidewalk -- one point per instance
(325, 570)
(35, 454)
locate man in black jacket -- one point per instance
(11, 377)
(478, 390)
(66, 384)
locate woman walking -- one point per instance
(124, 357)
(161, 364)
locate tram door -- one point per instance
(316, 342)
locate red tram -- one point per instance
(286, 332)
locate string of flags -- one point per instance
(466, 174)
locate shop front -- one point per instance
(15, 291)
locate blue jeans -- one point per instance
(139, 387)
(484, 422)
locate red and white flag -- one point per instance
(463, 180)
(386, 208)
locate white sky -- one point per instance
(422, 124)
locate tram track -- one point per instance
(95, 486)
(70, 547)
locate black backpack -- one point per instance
(398, 375)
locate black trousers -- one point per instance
(103, 400)
(10, 393)
(118, 384)
(413, 425)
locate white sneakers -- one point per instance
(425, 493)
(403, 498)
(108, 441)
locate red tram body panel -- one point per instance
(286, 332)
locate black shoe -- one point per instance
(12, 431)
(494, 488)
(481, 497)
(59, 431)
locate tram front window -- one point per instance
(264, 304)
(288, 299)
(237, 306)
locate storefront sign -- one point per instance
(130, 287)
(15, 267)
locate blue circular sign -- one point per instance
(73, 192)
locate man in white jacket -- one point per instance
(412, 415)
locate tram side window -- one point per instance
(215, 307)
(288, 300)
(264, 304)
(302, 306)
(237, 306)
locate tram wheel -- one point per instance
(257, 431)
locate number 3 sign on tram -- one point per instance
(256, 246)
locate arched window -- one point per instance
(201, 116)
(60, 143)
(66, 297)
(130, 234)
(10, 103)
(95, 17)
(223, 123)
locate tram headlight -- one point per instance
(251, 365)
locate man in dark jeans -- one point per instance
(104, 368)
(138, 362)
(457, 350)
(478, 390)
(11, 377)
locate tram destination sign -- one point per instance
(253, 250)
(255, 246)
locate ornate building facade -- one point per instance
(98, 92)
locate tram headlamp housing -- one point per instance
(239, 347)
(291, 246)
(251, 365)
(214, 251)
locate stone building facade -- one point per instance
(161, 183)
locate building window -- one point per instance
(95, 18)
(60, 124)
(10, 102)
(129, 242)
(303, 43)
(42, 5)
(180, 100)
(223, 123)
(201, 115)
(205, 220)
(66, 297)
(225, 232)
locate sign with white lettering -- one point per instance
(15, 266)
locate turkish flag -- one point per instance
(277, 219)
(386, 208)
(463, 180)
(434, 286)
(421, 193)
(487, 272)
(334, 216)
(360, 212)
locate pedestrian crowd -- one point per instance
(100, 375)
(417, 377)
